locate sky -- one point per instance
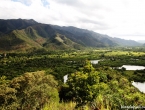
(116, 18)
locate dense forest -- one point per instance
(33, 80)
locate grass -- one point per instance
(71, 106)
(117, 53)
(60, 106)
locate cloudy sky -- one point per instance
(116, 18)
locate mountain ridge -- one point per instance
(23, 34)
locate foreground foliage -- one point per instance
(89, 86)
(102, 89)
(29, 91)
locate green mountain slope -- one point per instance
(61, 42)
(21, 40)
(86, 37)
(105, 40)
(11, 42)
(22, 34)
(38, 36)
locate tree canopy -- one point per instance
(29, 91)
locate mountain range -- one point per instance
(25, 34)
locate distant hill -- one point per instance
(23, 34)
(85, 37)
(141, 41)
(123, 42)
(105, 40)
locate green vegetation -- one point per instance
(35, 57)
(29, 91)
(17, 35)
(34, 80)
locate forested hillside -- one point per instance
(22, 34)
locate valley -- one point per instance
(35, 57)
(112, 84)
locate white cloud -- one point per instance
(117, 18)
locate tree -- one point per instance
(34, 90)
(8, 100)
(84, 85)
